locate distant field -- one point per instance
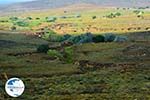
(128, 21)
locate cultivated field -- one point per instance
(73, 20)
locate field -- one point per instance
(116, 71)
(97, 71)
(72, 20)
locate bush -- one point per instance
(54, 53)
(51, 19)
(65, 37)
(120, 39)
(136, 11)
(50, 32)
(86, 38)
(43, 48)
(94, 17)
(13, 18)
(109, 37)
(111, 15)
(37, 18)
(63, 17)
(77, 16)
(13, 28)
(22, 23)
(29, 18)
(98, 38)
(68, 54)
(47, 34)
(118, 14)
(83, 38)
(74, 39)
(55, 38)
(3, 21)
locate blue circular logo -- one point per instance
(14, 87)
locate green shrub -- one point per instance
(29, 18)
(21, 23)
(65, 37)
(55, 38)
(94, 17)
(120, 39)
(47, 34)
(51, 19)
(118, 14)
(109, 37)
(111, 15)
(13, 18)
(98, 38)
(43, 48)
(77, 16)
(54, 53)
(51, 32)
(136, 11)
(68, 54)
(4, 21)
(83, 38)
(13, 28)
(37, 18)
(86, 38)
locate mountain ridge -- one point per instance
(51, 4)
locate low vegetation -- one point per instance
(106, 70)
(91, 55)
(99, 21)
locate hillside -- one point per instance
(49, 4)
(109, 71)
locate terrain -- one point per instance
(49, 4)
(118, 71)
(51, 69)
(79, 18)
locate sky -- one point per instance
(3, 2)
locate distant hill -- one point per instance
(49, 4)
